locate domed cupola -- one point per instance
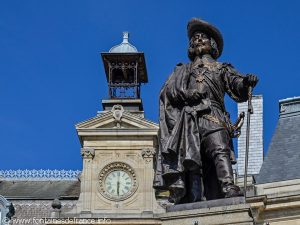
(124, 47)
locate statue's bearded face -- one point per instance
(201, 44)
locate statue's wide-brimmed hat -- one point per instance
(199, 25)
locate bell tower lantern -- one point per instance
(125, 70)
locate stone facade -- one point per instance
(229, 214)
(280, 203)
(256, 138)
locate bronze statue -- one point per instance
(194, 160)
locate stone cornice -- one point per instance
(137, 122)
(118, 132)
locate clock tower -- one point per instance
(118, 145)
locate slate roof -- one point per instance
(66, 189)
(283, 157)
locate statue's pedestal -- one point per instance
(222, 211)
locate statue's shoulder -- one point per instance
(226, 64)
(229, 69)
(174, 73)
(181, 66)
(179, 69)
(226, 67)
(177, 72)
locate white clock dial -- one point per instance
(118, 183)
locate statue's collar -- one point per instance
(207, 58)
(200, 62)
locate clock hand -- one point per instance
(118, 187)
(118, 184)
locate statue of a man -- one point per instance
(195, 147)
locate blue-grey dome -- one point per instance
(124, 47)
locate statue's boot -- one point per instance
(232, 191)
(218, 148)
(225, 173)
(195, 192)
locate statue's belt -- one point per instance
(233, 129)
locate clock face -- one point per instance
(118, 183)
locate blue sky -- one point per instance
(52, 77)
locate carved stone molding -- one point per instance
(148, 153)
(87, 153)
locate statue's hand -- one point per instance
(250, 80)
(193, 95)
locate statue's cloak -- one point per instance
(179, 140)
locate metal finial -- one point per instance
(125, 37)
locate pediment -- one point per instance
(109, 120)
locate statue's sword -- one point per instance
(249, 112)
